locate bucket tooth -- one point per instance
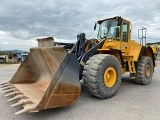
(5, 85)
(10, 90)
(8, 87)
(21, 111)
(24, 102)
(25, 110)
(2, 84)
(14, 93)
(16, 104)
(5, 88)
(17, 97)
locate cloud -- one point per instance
(22, 21)
(8, 42)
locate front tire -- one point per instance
(102, 75)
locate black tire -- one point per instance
(93, 75)
(141, 75)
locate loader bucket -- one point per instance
(47, 78)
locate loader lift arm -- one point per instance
(79, 51)
(79, 48)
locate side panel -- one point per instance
(116, 53)
(134, 49)
(147, 51)
(154, 48)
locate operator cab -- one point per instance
(114, 28)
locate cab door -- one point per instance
(125, 36)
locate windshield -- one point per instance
(109, 29)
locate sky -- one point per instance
(22, 22)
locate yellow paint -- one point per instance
(129, 49)
(90, 43)
(148, 71)
(110, 76)
(112, 44)
(155, 49)
(123, 70)
(131, 67)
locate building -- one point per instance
(21, 57)
(3, 58)
(13, 58)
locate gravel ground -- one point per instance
(132, 102)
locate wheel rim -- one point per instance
(110, 77)
(148, 71)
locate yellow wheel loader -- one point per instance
(50, 76)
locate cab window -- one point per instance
(125, 32)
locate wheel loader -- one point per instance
(50, 75)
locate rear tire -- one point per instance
(144, 71)
(102, 75)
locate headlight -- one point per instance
(109, 40)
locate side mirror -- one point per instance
(95, 26)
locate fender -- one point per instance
(146, 51)
(87, 55)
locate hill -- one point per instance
(4, 52)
